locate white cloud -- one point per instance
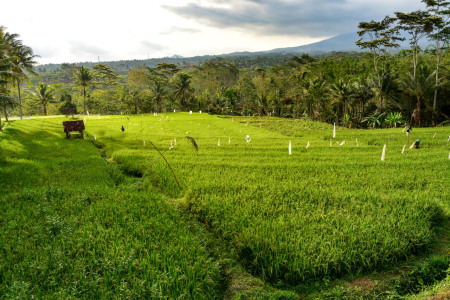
(136, 29)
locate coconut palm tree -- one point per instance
(314, 89)
(44, 95)
(159, 94)
(6, 75)
(83, 79)
(342, 92)
(5, 100)
(363, 94)
(383, 85)
(183, 89)
(16, 63)
(22, 66)
(418, 85)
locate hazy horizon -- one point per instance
(84, 31)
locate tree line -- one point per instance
(376, 88)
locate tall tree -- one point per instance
(105, 76)
(159, 93)
(440, 34)
(23, 63)
(418, 24)
(83, 79)
(363, 94)
(418, 85)
(383, 86)
(135, 98)
(5, 100)
(159, 80)
(7, 76)
(44, 95)
(183, 90)
(138, 78)
(315, 88)
(379, 38)
(342, 92)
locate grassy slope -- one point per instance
(258, 161)
(68, 232)
(253, 194)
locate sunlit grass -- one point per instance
(320, 211)
(66, 230)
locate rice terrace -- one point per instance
(319, 169)
(105, 216)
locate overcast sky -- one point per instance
(84, 30)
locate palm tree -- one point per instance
(22, 65)
(342, 93)
(6, 74)
(418, 85)
(83, 79)
(183, 89)
(5, 100)
(363, 95)
(44, 95)
(383, 86)
(314, 88)
(159, 93)
(262, 104)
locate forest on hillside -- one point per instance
(377, 88)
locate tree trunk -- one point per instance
(20, 100)
(415, 54)
(438, 54)
(6, 114)
(45, 110)
(84, 99)
(417, 118)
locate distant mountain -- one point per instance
(340, 43)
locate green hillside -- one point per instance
(227, 212)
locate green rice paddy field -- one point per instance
(105, 216)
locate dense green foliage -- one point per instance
(352, 89)
(340, 89)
